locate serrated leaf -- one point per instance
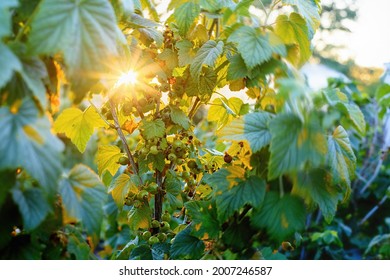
(316, 186)
(140, 218)
(78, 125)
(206, 55)
(294, 143)
(83, 197)
(120, 187)
(170, 58)
(204, 219)
(33, 206)
(26, 141)
(9, 63)
(309, 10)
(185, 15)
(187, 246)
(173, 190)
(5, 18)
(293, 30)
(252, 127)
(159, 250)
(141, 252)
(280, 216)
(230, 199)
(107, 159)
(340, 157)
(222, 111)
(255, 47)
(237, 68)
(185, 52)
(84, 32)
(152, 128)
(179, 117)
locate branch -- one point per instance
(194, 108)
(373, 177)
(124, 142)
(373, 210)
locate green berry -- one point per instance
(142, 195)
(192, 164)
(152, 188)
(137, 203)
(166, 217)
(153, 240)
(146, 235)
(154, 150)
(164, 226)
(144, 151)
(180, 161)
(177, 144)
(155, 224)
(162, 236)
(172, 157)
(123, 160)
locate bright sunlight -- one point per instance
(128, 78)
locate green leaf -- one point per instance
(173, 190)
(170, 58)
(206, 55)
(77, 244)
(83, 197)
(336, 98)
(340, 157)
(294, 143)
(309, 10)
(160, 250)
(5, 18)
(280, 216)
(222, 111)
(356, 116)
(26, 141)
(107, 159)
(252, 127)
(152, 128)
(255, 47)
(179, 117)
(185, 52)
(140, 218)
(9, 63)
(237, 68)
(32, 205)
(316, 186)
(124, 254)
(78, 125)
(204, 219)
(237, 234)
(120, 187)
(83, 31)
(231, 199)
(142, 252)
(187, 246)
(293, 30)
(185, 15)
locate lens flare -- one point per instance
(128, 78)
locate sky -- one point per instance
(369, 41)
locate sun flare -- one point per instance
(128, 78)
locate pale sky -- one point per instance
(369, 42)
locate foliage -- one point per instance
(125, 90)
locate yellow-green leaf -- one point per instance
(78, 125)
(140, 218)
(293, 30)
(107, 159)
(121, 187)
(222, 111)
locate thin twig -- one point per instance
(194, 108)
(373, 210)
(373, 177)
(281, 187)
(124, 142)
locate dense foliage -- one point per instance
(120, 136)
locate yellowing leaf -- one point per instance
(293, 30)
(121, 187)
(222, 111)
(107, 159)
(78, 125)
